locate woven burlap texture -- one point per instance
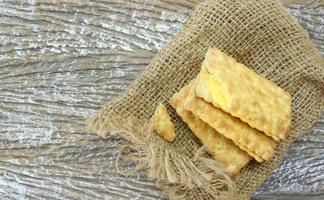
(260, 34)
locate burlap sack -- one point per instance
(260, 34)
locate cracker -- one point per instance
(251, 140)
(240, 91)
(162, 123)
(220, 148)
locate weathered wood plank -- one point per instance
(60, 62)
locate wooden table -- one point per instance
(61, 61)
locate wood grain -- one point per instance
(61, 61)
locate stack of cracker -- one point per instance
(236, 113)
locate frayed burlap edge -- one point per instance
(176, 173)
(161, 162)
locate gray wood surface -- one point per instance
(61, 61)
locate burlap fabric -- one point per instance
(260, 34)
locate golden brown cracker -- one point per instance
(162, 123)
(251, 140)
(240, 91)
